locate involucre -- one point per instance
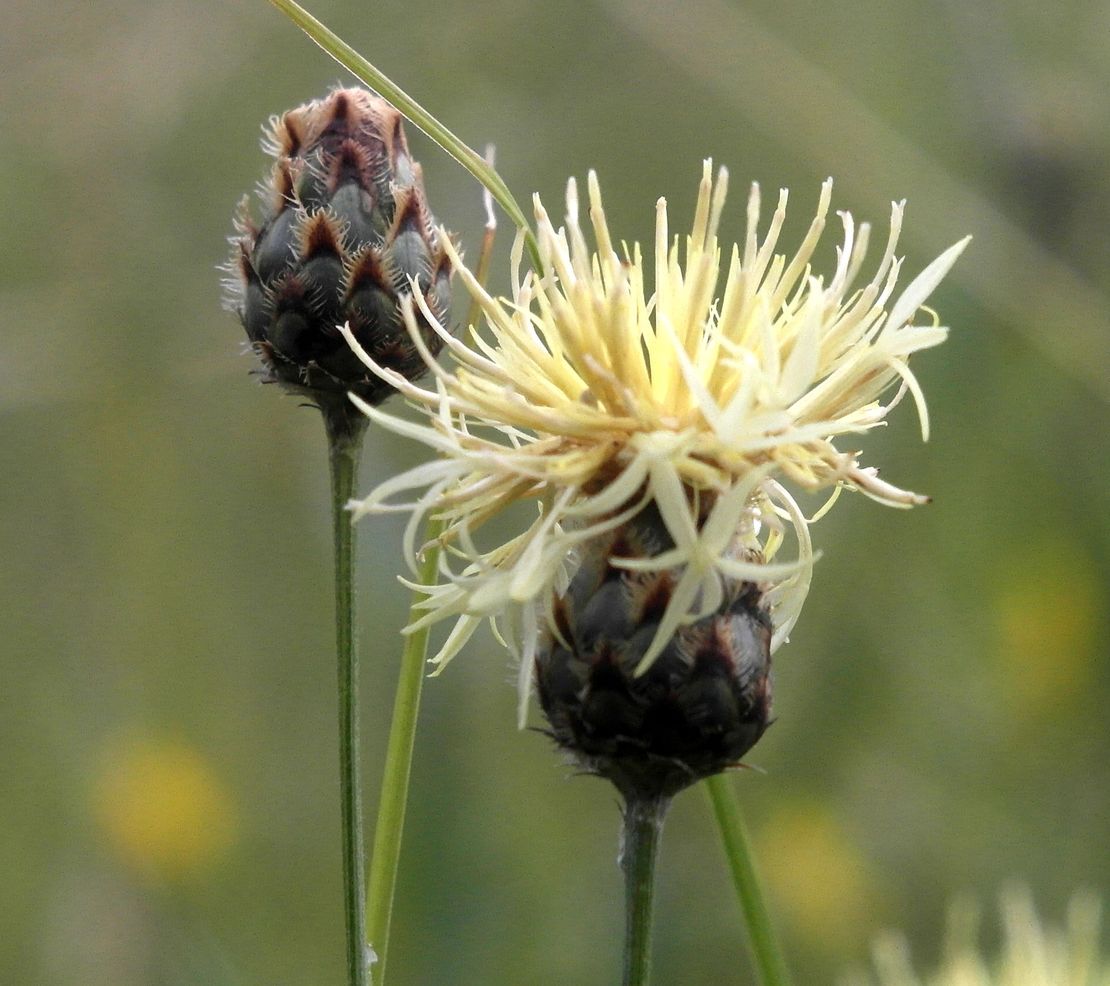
(346, 232)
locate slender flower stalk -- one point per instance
(393, 800)
(767, 955)
(643, 829)
(345, 434)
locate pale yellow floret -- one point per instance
(592, 397)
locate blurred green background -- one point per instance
(168, 808)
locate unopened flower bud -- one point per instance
(694, 711)
(346, 232)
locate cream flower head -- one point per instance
(597, 395)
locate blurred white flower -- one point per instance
(1030, 954)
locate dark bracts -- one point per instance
(346, 233)
(695, 711)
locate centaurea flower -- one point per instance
(701, 400)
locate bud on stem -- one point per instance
(346, 232)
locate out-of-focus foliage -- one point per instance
(168, 797)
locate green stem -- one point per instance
(386, 853)
(345, 431)
(643, 826)
(769, 961)
(420, 117)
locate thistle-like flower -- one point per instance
(346, 232)
(656, 433)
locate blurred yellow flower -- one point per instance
(818, 874)
(1031, 954)
(1047, 626)
(162, 807)
(596, 399)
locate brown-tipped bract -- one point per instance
(695, 711)
(346, 233)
